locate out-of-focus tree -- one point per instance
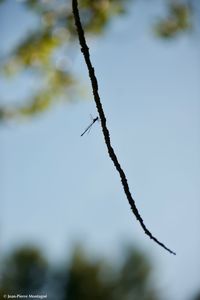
(179, 19)
(39, 51)
(24, 272)
(84, 278)
(134, 278)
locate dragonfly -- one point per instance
(89, 126)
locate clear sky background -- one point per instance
(58, 188)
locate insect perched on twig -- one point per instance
(89, 126)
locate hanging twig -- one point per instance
(102, 117)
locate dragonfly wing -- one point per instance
(89, 126)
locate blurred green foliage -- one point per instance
(38, 53)
(23, 272)
(85, 280)
(178, 20)
(26, 271)
(135, 283)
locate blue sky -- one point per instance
(57, 188)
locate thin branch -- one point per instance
(102, 117)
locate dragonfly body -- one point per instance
(89, 126)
